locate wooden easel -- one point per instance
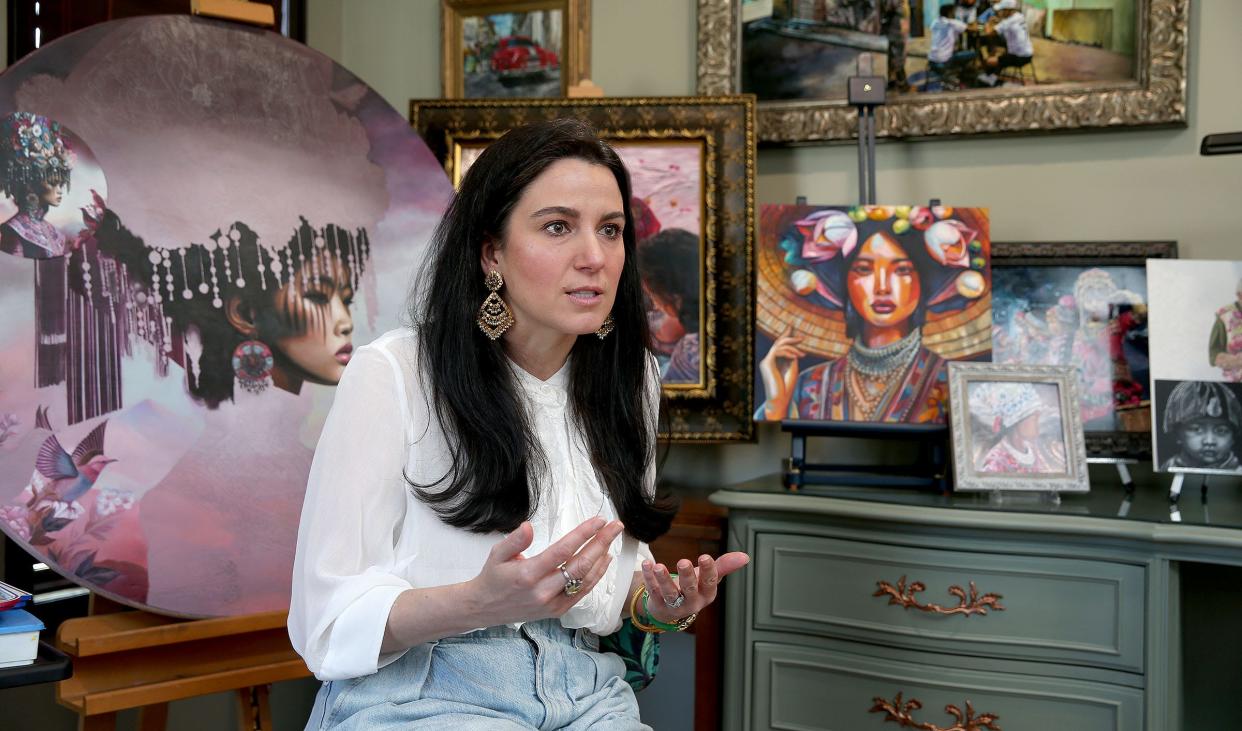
(133, 659)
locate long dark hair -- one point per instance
(496, 458)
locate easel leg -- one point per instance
(254, 708)
(97, 722)
(153, 717)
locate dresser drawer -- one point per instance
(1055, 609)
(812, 689)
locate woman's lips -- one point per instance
(883, 307)
(345, 353)
(585, 296)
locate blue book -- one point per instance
(19, 638)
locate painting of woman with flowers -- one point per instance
(860, 308)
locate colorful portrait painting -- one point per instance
(201, 223)
(667, 186)
(807, 50)
(1092, 318)
(860, 308)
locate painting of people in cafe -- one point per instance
(860, 308)
(807, 49)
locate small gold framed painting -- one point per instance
(521, 48)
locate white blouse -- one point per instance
(365, 537)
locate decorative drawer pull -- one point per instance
(902, 713)
(973, 603)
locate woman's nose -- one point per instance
(591, 254)
(881, 280)
(342, 318)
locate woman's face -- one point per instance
(1206, 441)
(321, 311)
(561, 254)
(1028, 428)
(663, 321)
(51, 195)
(883, 283)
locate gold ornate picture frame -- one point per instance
(692, 164)
(1155, 94)
(518, 48)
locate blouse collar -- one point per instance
(552, 392)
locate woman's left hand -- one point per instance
(697, 583)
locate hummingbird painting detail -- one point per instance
(69, 476)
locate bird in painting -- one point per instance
(69, 476)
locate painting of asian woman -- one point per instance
(860, 309)
(201, 224)
(1016, 427)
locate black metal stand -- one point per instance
(929, 470)
(866, 93)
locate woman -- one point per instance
(479, 503)
(888, 374)
(37, 164)
(242, 314)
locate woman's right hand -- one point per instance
(779, 369)
(514, 588)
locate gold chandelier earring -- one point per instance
(494, 315)
(606, 327)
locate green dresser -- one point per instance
(874, 609)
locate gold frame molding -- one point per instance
(1156, 96)
(719, 408)
(576, 42)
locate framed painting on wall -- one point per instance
(1083, 303)
(953, 68)
(519, 48)
(692, 168)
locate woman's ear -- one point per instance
(489, 256)
(241, 316)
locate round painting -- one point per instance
(200, 222)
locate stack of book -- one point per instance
(19, 629)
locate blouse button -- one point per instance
(612, 588)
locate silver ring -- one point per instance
(572, 585)
(681, 599)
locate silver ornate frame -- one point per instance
(966, 479)
(1155, 96)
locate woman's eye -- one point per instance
(557, 228)
(905, 270)
(611, 230)
(318, 298)
(860, 269)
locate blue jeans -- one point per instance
(541, 676)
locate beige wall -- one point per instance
(1145, 184)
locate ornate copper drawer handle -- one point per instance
(901, 712)
(903, 595)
